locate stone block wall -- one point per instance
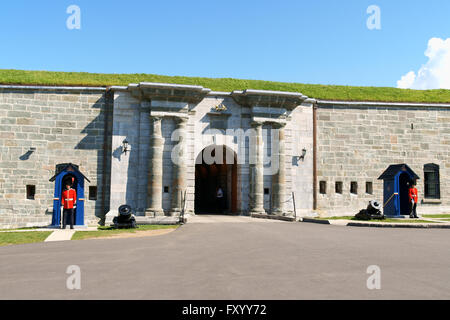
(64, 125)
(299, 176)
(126, 168)
(357, 142)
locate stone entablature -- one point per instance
(270, 99)
(165, 92)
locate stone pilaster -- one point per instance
(179, 167)
(257, 171)
(155, 172)
(278, 179)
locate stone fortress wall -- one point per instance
(63, 125)
(358, 141)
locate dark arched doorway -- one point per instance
(404, 182)
(212, 172)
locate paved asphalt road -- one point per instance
(236, 260)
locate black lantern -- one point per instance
(303, 154)
(125, 146)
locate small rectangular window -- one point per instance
(266, 191)
(431, 181)
(323, 187)
(31, 192)
(338, 187)
(166, 189)
(369, 187)
(354, 187)
(92, 193)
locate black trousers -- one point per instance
(68, 214)
(220, 204)
(413, 210)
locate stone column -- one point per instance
(155, 170)
(179, 167)
(279, 178)
(257, 170)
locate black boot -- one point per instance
(64, 220)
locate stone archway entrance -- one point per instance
(212, 172)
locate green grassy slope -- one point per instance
(326, 92)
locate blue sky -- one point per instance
(319, 41)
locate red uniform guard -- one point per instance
(68, 201)
(413, 198)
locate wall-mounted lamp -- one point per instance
(303, 155)
(27, 155)
(125, 146)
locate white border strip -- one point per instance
(53, 88)
(382, 104)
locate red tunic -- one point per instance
(413, 195)
(69, 198)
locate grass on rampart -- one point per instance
(324, 92)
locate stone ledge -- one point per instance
(381, 104)
(53, 88)
(166, 91)
(157, 220)
(431, 201)
(274, 217)
(400, 225)
(266, 98)
(312, 220)
(379, 224)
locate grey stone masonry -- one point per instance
(63, 125)
(358, 141)
(41, 127)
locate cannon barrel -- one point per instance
(374, 207)
(125, 214)
(373, 211)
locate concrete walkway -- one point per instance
(66, 234)
(60, 235)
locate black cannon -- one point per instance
(373, 211)
(125, 219)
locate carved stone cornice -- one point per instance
(272, 99)
(276, 123)
(168, 92)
